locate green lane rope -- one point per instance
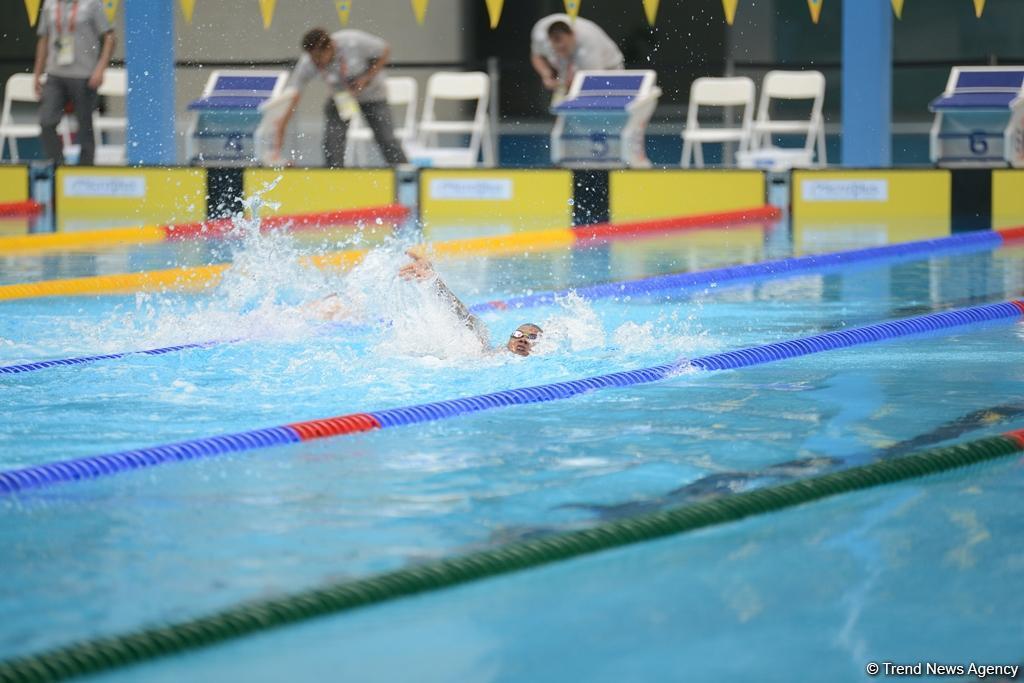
(101, 654)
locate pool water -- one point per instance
(920, 570)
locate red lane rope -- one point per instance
(29, 207)
(219, 227)
(1019, 304)
(1017, 435)
(603, 231)
(1011, 234)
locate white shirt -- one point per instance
(594, 48)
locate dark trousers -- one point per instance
(57, 91)
(378, 117)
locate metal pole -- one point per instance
(495, 117)
(149, 106)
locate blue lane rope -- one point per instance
(788, 267)
(663, 283)
(96, 466)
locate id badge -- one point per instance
(65, 50)
(346, 105)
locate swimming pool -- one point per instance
(918, 570)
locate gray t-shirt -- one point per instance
(353, 53)
(84, 23)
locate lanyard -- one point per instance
(71, 20)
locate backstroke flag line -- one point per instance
(572, 8)
(815, 7)
(110, 7)
(651, 8)
(344, 8)
(419, 8)
(267, 12)
(730, 10)
(494, 11)
(32, 7)
(187, 7)
(897, 8)
(979, 8)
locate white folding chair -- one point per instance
(789, 85)
(402, 92)
(272, 111)
(453, 87)
(19, 89)
(717, 92)
(114, 86)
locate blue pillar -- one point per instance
(867, 83)
(149, 53)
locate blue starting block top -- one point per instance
(225, 91)
(603, 93)
(988, 88)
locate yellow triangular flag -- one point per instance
(344, 8)
(651, 8)
(420, 8)
(572, 8)
(110, 7)
(32, 7)
(267, 12)
(494, 11)
(897, 8)
(730, 10)
(815, 7)
(187, 7)
(979, 7)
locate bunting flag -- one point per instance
(897, 8)
(110, 7)
(651, 8)
(979, 8)
(344, 8)
(420, 8)
(815, 7)
(32, 7)
(572, 8)
(267, 11)
(494, 11)
(187, 7)
(730, 10)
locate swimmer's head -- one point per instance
(317, 42)
(563, 40)
(522, 340)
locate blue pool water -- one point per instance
(835, 584)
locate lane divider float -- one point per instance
(218, 228)
(104, 653)
(92, 467)
(200, 278)
(27, 208)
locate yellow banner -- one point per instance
(110, 7)
(267, 12)
(187, 7)
(494, 11)
(651, 8)
(815, 7)
(344, 8)
(419, 7)
(979, 8)
(897, 8)
(32, 7)
(730, 10)
(572, 8)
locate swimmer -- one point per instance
(520, 342)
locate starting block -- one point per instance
(602, 122)
(979, 119)
(225, 118)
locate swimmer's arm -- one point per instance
(468, 319)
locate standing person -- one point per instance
(75, 44)
(559, 47)
(351, 63)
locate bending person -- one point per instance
(559, 47)
(351, 63)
